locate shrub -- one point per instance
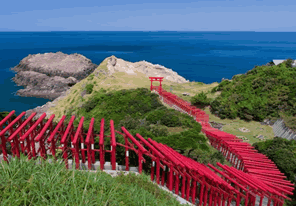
(155, 116)
(91, 104)
(143, 132)
(169, 118)
(90, 77)
(159, 130)
(129, 123)
(200, 100)
(288, 63)
(222, 85)
(89, 88)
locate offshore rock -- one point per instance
(49, 75)
(45, 108)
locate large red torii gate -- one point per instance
(160, 79)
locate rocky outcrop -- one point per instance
(113, 65)
(49, 75)
(45, 108)
(149, 69)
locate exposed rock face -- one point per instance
(49, 75)
(150, 70)
(217, 125)
(45, 108)
(114, 65)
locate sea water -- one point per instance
(197, 56)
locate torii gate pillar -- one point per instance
(160, 79)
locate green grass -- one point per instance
(232, 126)
(23, 182)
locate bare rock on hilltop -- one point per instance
(149, 69)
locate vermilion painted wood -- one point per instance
(113, 145)
(40, 138)
(6, 119)
(29, 137)
(67, 137)
(230, 146)
(260, 177)
(9, 128)
(20, 131)
(90, 144)
(101, 144)
(75, 143)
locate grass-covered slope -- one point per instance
(260, 93)
(232, 126)
(23, 182)
(100, 79)
(141, 111)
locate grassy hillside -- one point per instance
(23, 182)
(118, 81)
(232, 126)
(260, 93)
(98, 81)
(141, 111)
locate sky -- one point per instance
(153, 15)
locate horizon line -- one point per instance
(143, 31)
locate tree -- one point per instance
(200, 100)
(186, 141)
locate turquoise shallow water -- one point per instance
(197, 56)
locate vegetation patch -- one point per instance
(201, 100)
(89, 88)
(141, 111)
(23, 182)
(260, 93)
(232, 126)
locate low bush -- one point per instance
(89, 88)
(129, 123)
(201, 100)
(169, 118)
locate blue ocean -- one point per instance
(198, 56)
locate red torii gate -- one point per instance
(264, 177)
(260, 175)
(160, 79)
(196, 179)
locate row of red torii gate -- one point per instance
(253, 179)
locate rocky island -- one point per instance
(49, 75)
